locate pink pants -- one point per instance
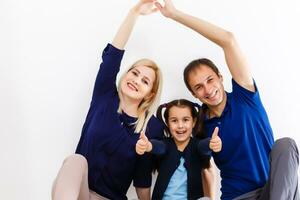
(71, 182)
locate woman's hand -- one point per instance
(145, 7)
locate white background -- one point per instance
(50, 52)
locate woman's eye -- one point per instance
(134, 73)
(145, 82)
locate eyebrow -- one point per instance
(184, 117)
(198, 84)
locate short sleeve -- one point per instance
(244, 95)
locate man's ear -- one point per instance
(221, 77)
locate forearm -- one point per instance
(235, 58)
(203, 146)
(212, 32)
(143, 193)
(125, 29)
(208, 181)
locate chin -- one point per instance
(181, 139)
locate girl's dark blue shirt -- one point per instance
(196, 156)
(108, 139)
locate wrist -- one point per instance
(134, 11)
(174, 14)
(149, 147)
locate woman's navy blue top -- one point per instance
(108, 139)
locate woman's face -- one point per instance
(138, 82)
(181, 124)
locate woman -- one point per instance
(105, 162)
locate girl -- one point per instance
(182, 158)
(105, 162)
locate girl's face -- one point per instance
(181, 124)
(138, 83)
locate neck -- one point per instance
(181, 145)
(129, 106)
(216, 111)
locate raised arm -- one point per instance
(235, 59)
(143, 7)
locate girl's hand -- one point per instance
(215, 143)
(143, 144)
(167, 10)
(145, 7)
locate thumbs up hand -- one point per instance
(215, 143)
(143, 144)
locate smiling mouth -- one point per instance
(132, 87)
(213, 95)
(180, 132)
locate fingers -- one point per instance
(154, 10)
(215, 133)
(140, 147)
(142, 144)
(158, 5)
(216, 149)
(143, 136)
(215, 143)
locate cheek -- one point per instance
(199, 94)
(190, 126)
(122, 84)
(172, 127)
(147, 89)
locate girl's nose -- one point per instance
(180, 125)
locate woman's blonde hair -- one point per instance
(148, 105)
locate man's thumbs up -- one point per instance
(215, 143)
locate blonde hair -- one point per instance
(148, 105)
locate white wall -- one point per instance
(50, 52)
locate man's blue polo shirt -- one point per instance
(247, 140)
